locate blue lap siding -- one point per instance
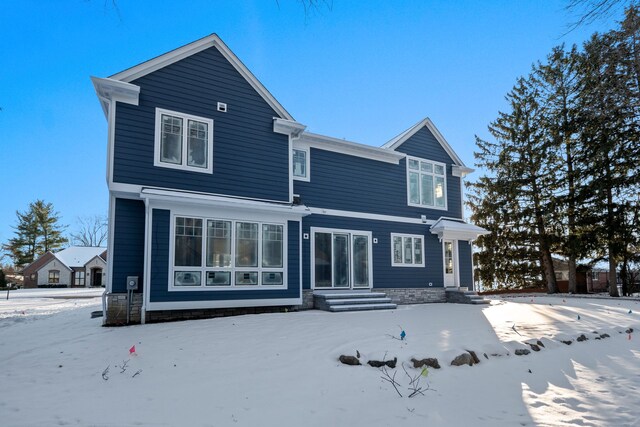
(384, 275)
(249, 159)
(344, 182)
(160, 269)
(128, 243)
(465, 263)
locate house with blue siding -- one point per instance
(221, 202)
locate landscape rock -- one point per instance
(349, 360)
(522, 352)
(474, 356)
(463, 359)
(429, 361)
(380, 363)
(567, 342)
(582, 338)
(605, 336)
(540, 344)
(629, 331)
(534, 347)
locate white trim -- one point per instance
(434, 175)
(233, 269)
(455, 229)
(110, 242)
(228, 303)
(111, 140)
(412, 237)
(460, 171)
(109, 90)
(146, 268)
(307, 161)
(184, 141)
(192, 48)
(366, 215)
(342, 146)
(351, 233)
(257, 209)
(288, 127)
(134, 191)
(404, 136)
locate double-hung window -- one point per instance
(407, 250)
(183, 141)
(426, 183)
(213, 253)
(300, 160)
(54, 276)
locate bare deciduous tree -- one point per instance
(91, 231)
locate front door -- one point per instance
(341, 259)
(449, 263)
(96, 277)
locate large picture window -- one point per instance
(426, 183)
(79, 278)
(215, 253)
(183, 141)
(407, 250)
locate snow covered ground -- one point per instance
(282, 369)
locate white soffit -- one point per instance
(456, 230)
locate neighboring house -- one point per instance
(219, 199)
(76, 266)
(588, 279)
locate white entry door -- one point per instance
(449, 263)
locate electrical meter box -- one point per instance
(132, 283)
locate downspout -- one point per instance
(145, 280)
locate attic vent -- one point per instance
(222, 107)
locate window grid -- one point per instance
(266, 239)
(426, 183)
(407, 250)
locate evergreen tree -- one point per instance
(38, 231)
(520, 182)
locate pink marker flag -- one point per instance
(132, 350)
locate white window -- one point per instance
(426, 183)
(216, 253)
(300, 160)
(183, 141)
(407, 250)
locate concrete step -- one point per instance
(362, 307)
(347, 295)
(353, 301)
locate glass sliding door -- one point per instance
(341, 260)
(323, 260)
(360, 261)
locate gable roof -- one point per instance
(37, 263)
(404, 136)
(78, 256)
(192, 48)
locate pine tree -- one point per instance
(38, 231)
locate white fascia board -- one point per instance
(372, 216)
(342, 146)
(288, 127)
(456, 230)
(197, 46)
(187, 305)
(400, 139)
(109, 90)
(181, 198)
(461, 171)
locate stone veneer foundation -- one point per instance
(117, 306)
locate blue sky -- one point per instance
(362, 70)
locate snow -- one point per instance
(282, 370)
(77, 256)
